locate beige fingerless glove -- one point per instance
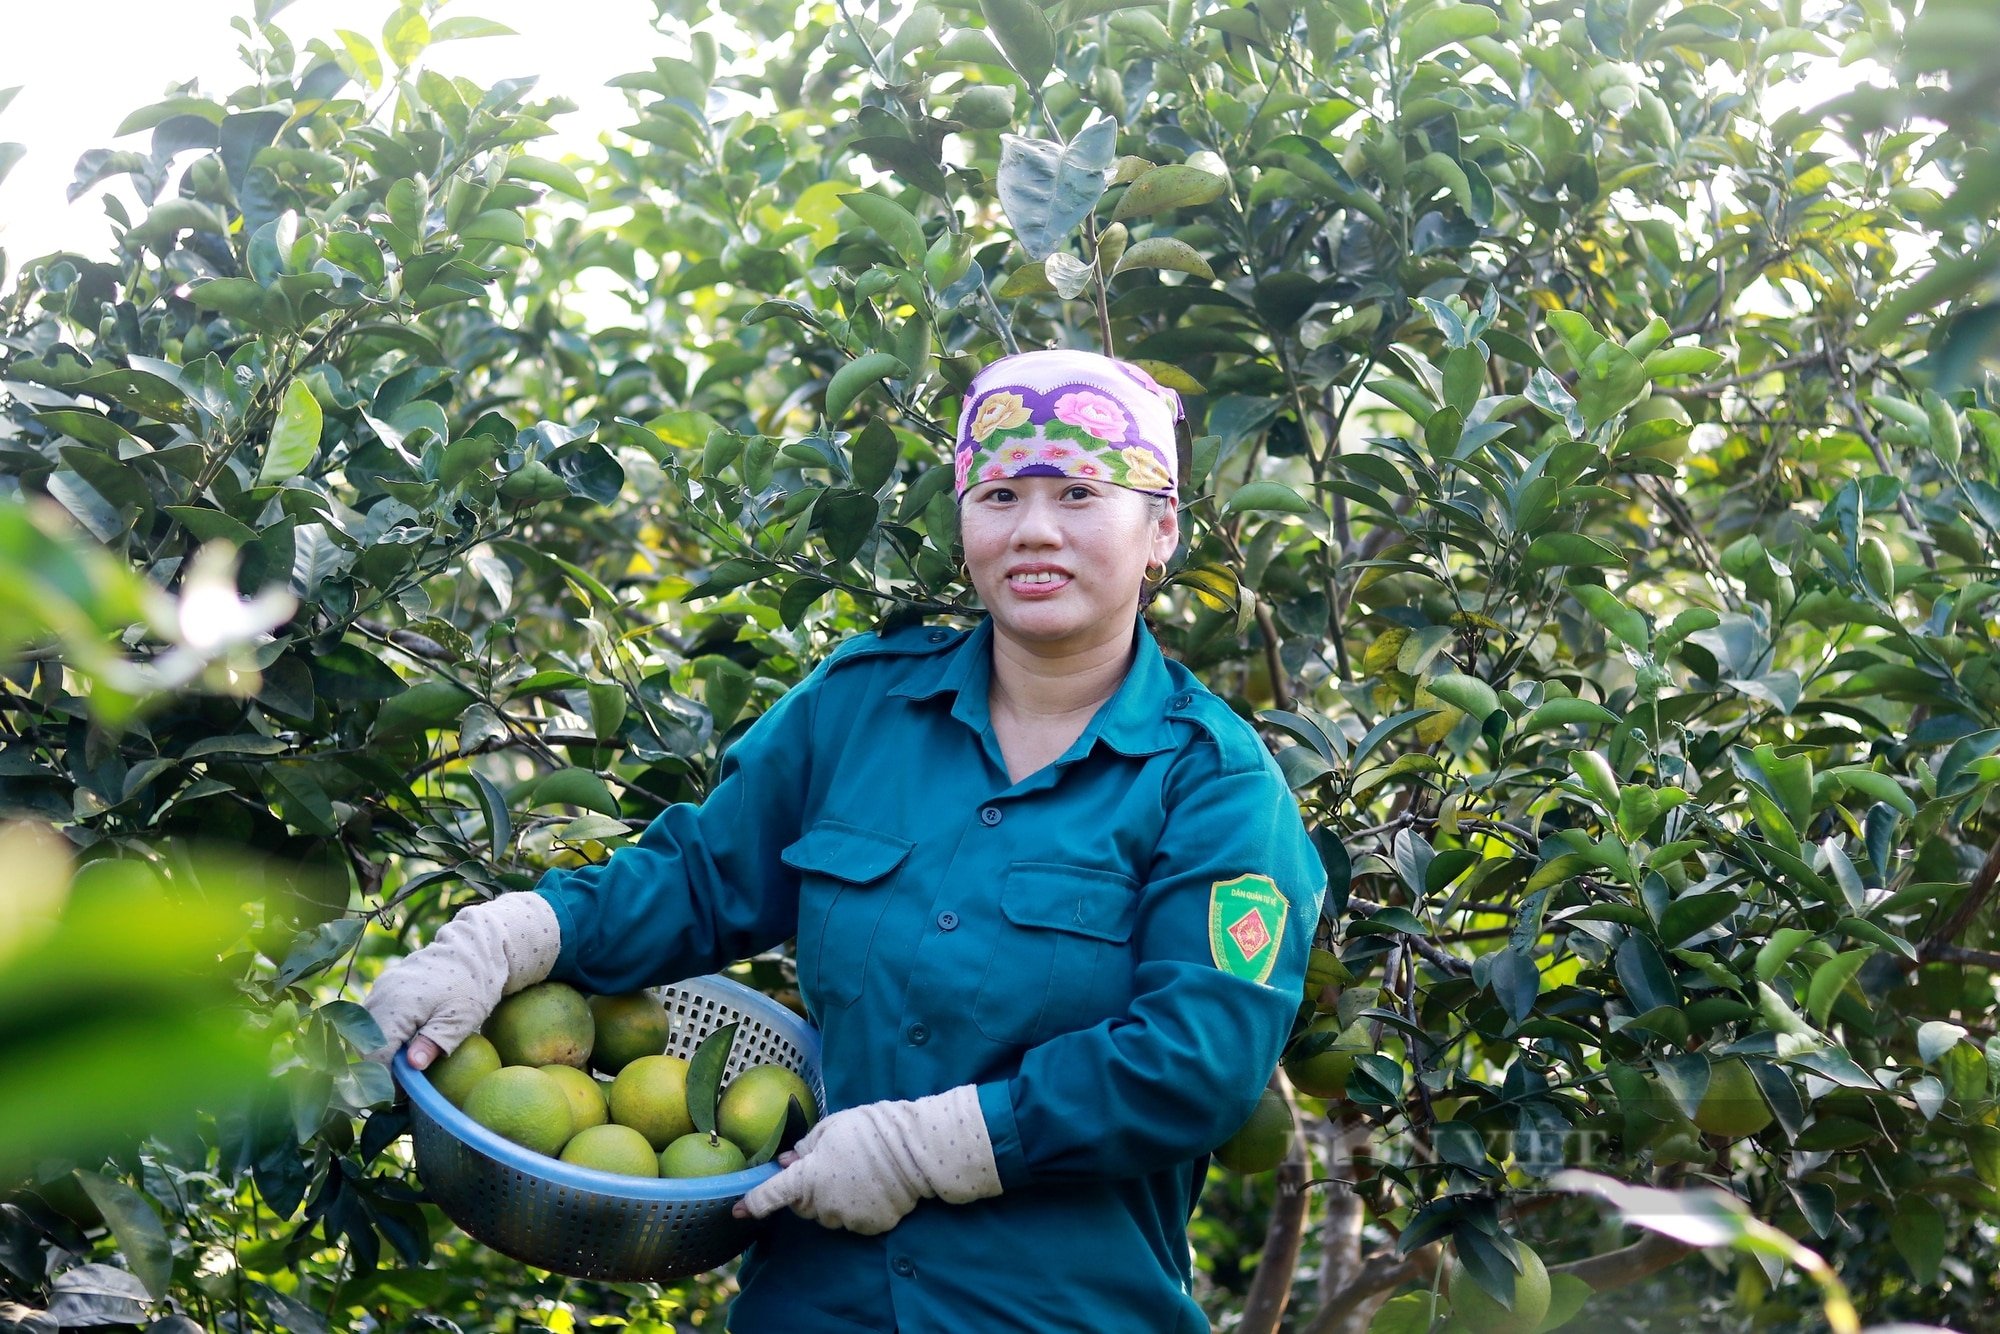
(865, 1168)
(445, 990)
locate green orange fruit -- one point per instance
(471, 1061)
(754, 1104)
(628, 1027)
(650, 1095)
(1476, 1309)
(1262, 1142)
(610, 1148)
(524, 1105)
(1322, 1074)
(589, 1104)
(1734, 1105)
(699, 1155)
(546, 1024)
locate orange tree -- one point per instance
(1592, 485)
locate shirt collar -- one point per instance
(1132, 722)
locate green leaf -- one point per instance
(1681, 361)
(890, 221)
(149, 395)
(1387, 728)
(1626, 624)
(541, 170)
(147, 117)
(1047, 187)
(1468, 693)
(1163, 252)
(704, 1077)
(295, 437)
(850, 380)
(602, 828)
(789, 1132)
(425, 705)
(1688, 917)
(1607, 383)
(1919, 1236)
(405, 35)
(1261, 497)
(875, 453)
(501, 225)
(1875, 786)
(575, 787)
(1566, 713)
(1571, 549)
(1464, 377)
(1441, 27)
(499, 819)
(1595, 772)
(460, 29)
(407, 204)
(354, 1024)
(1830, 979)
(317, 949)
(1937, 1037)
(141, 1237)
(1643, 972)
(1025, 36)
(1168, 187)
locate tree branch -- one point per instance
(1945, 936)
(1627, 1265)
(1271, 1287)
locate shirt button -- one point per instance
(1182, 700)
(947, 921)
(938, 636)
(904, 1266)
(989, 816)
(919, 1035)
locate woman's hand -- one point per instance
(865, 1168)
(437, 997)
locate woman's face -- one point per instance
(1059, 562)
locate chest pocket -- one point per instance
(1063, 959)
(844, 877)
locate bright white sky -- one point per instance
(84, 65)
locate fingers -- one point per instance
(453, 1023)
(423, 1051)
(780, 1192)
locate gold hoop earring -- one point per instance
(1156, 572)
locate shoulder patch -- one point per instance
(1246, 924)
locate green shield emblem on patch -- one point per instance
(1246, 920)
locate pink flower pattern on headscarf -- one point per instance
(1094, 413)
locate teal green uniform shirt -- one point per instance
(1111, 950)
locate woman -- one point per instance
(1052, 902)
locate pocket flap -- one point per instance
(847, 852)
(1077, 899)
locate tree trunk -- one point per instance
(1271, 1286)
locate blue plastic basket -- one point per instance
(600, 1225)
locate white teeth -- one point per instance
(1037, 577)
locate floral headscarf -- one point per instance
(1062, 413)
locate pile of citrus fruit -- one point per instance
(528, 1077)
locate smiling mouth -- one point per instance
(1036, 580)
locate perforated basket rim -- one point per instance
(661, 1190)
